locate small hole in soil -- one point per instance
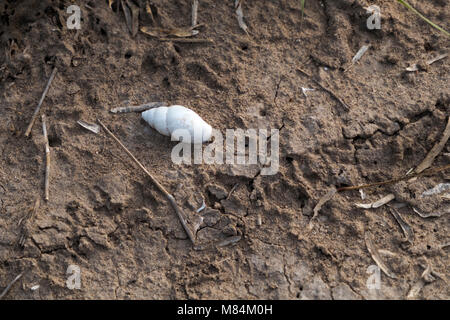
(54, 140)
(428, 247)
(428, 47)
(289, 159)
(244, 47)
(128, 54)
(166, 82)
(262, 113)
(177, 48)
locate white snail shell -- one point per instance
(168, 119)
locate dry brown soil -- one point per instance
(105, 216)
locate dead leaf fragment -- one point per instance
(327, 197)
(240, 15)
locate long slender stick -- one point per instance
(36, 111)
(395, 180)
(155, 182)
(188, 40)
(10, 285)
(194, 13)
(139, 108)
(47, 157)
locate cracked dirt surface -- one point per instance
(106, 217)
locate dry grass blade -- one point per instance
(407, 230)
(407, 5)
(127, 13)
(426, 163)
(302, 4)
(10, 285)
(30, 213)
(155, 182)
(110, 2)
(429, 215)
(36, 111)
(376, 256)
(148, 9)
(134, 18)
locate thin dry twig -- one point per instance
(47, 157)
(426, 163)
(331, 93)
(36, 111)
(139, 108)
(187, 40)
(169, 197)
(194, 13)
(10, 285)
(231, 191)
(395, 180)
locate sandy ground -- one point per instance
(105, 216)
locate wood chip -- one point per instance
(426, 163)
(376, 256)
